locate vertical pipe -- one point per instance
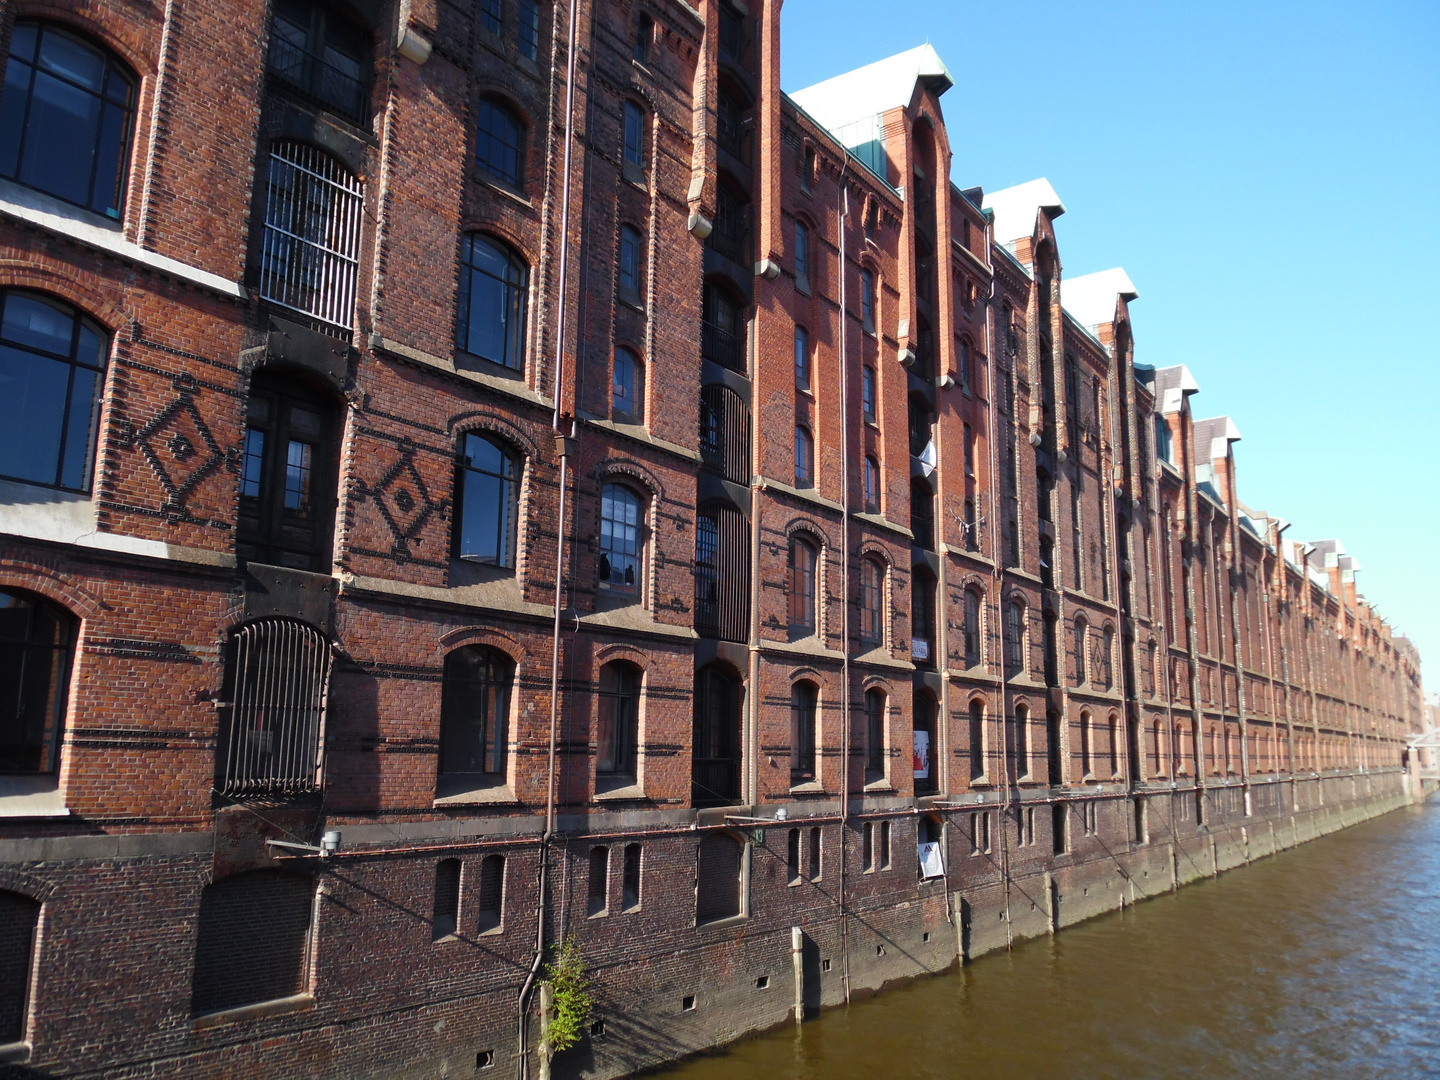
(797, 965)
(843, 220)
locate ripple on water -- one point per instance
(1318, 963)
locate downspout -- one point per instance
(565, 447)
(845, 717)
(1282, 612)
(997, 576)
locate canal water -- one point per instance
(1323, 961)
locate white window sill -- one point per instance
(31, 797)
(618, 794)
(92, 230)
(491, 795)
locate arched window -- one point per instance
(1087, 750)
(500, 143)
(629, 277)
(977, 740)
(66, 118)
(1107, 664)
(1081, 628)
(872, 217)
(972, 628)
(1015, 636)
(867, 393)
(489, 502)
(872, 486)
(803, 699)
(18, 918)
(253, 940)
(922, 617)
(627, 395)
(872, 588)
(319, 54)
(617, 730)
(874, 735)
(37, 641)
(1114, 747)
(52, 372)
(1158, 751)
(634, 135)
(494, 287)
(288, 474)
(807, 169)
(802, 359)
(475, 718)
(310, 250)
(922, 514)
(804, 458)
(926, 752)
(273, 712)
(1020, 750)
(801, 587)
(620, 539)
(644, 34)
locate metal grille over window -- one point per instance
(311, 247)
(270, 739)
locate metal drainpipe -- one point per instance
(1239, 661)
(845, 718)
(998, 577)
(1282, 611)
(564, 444)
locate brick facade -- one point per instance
(1155, 673)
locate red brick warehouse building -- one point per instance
(872, 587)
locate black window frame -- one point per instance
(800, 586)
(632, 143)
(875, 705)
(627, 264)
(115, 74)
(631, 408)
(804, 708)
(515, 294)
(19, 652)
(620, 688)
(612, 559)
(482, 702)
(802, 359)
(507, 495)
(38, 360)
(500, 143)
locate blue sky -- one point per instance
(1266, 174)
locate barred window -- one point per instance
(311, 247)
(318, 54)
(52, 371)
(253, 942)
(475, 715)
(494, 288)
(489, 498)
(66, 118)
(725, 433)
(272, 722)
(500, 143)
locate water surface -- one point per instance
(1323, 961)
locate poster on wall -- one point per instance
(922, 755)
(931, 865)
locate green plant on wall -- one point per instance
(570, 997)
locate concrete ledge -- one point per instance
(14, 1053)
(120, 846)
(278, 1007)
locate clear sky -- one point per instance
(1266, 173)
